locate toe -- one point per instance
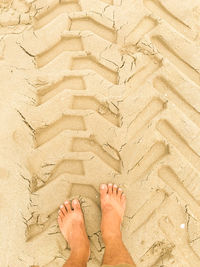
(123, 198)
(68, 206)
(110, 189)
(76, 205)
(59, 220)
(119, 192)
(103, 190)
(60, 213)
(63, 209)
(114, 189)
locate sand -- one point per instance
(97, 91)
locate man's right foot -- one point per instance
(113, 203)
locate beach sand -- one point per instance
(98, 91)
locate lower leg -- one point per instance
(75, 261)
(117, 253)
(113, 203)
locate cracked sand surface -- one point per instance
(93, 92)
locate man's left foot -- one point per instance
(72, 226)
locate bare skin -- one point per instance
(113, 204)
(72, 226)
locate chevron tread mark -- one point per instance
(171, 232)
(66, 122)
(138, 78)
(174, 137)
(164, 86)
(144, 26)
(89, 62)
(85, 102)
(169, 176)
(44, 93)
(66, 44)
(159, 9)
(53, 11)
(168, 52)
(82, 144)
(89, 24)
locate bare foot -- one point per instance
(113, 203)
(72, 226)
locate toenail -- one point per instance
(61, 206)
(119, 189)
(115, 185)
(109, 184)
(75, 201)
(66, 202)
(103, 186)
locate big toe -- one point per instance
(103, 190)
